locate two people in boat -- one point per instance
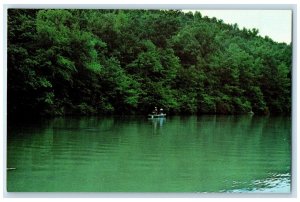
(155, 111)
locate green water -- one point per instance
(135, 154)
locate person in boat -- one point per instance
(155, 110)
(161, 111)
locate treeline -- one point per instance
(64, 62)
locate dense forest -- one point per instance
(84, 62)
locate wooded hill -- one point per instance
(63, 62)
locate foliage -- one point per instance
(128, 61)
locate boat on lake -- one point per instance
(157, 115)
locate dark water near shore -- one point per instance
(135, 154)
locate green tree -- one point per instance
(76, 61)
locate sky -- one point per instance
(276, 24)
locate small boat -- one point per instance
(157, 115)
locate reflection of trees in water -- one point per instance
(86, 131)
(251, 146)
(233, 147)
(84, 123)
(222, 149)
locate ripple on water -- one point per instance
(277, 183)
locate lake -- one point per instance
(136, 154)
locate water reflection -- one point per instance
(157, 122)
(186, 154)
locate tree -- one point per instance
(75, 61)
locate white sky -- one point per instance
(277, 24)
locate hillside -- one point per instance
(66, 62)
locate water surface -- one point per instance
(136, 154)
